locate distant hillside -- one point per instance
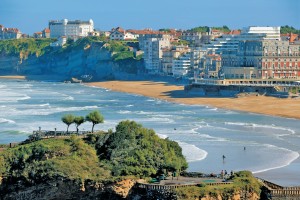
(90, 56)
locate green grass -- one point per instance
(46, 159)
(25, 47)
(241, 181)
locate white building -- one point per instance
(9, 33)
(70, 29)
(121, 34)
(181, 66)
(152, 45)
(60, 42)
(253, 33)
(266, 32)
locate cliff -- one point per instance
(85, 58)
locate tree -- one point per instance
(68, 119)
(135, 150)
(95, 117)
(78, 120)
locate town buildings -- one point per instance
(9, 33)
(121, 34)
(262, 55)
(182, 65)
(70, 29)
(153, 45)
(46, 33)
(170, 54)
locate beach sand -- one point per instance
(13, 77)
(289, 107)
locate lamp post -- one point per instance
(54, 132)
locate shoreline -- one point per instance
(288, 108)
(13, 77)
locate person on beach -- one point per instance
(244, 148)
(223, 157)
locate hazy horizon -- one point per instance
(31, 16)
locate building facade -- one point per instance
(210, 65)
(70, 29)
(170, 54)
(182, 65)
(121, 34)
(9, 33)
(152, 45)
(265, 59)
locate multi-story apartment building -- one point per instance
(170, 54)
(9, 33)
(265, 59)
(70, 29)
(182, 65)
(193, 37)
(153, 45)
(210, 65)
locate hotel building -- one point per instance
(70, 29)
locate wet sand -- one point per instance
(289, 107)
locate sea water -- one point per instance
(258, 143)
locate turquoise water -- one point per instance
(205, 133)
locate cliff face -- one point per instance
(69, 189)
(66, 189)
(93, 60)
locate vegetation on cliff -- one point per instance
(130, 150)
(243, 184)
(135, 150)
(25, 47)
(48, 159)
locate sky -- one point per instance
(33, 15)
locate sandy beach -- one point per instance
(289, 108)
(13, 77)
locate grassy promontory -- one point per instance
(93, 166)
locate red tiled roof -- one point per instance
(47, 30)
(234, 32)
(293, 37)
(38, 33)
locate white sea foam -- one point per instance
(48, 111)
(3, 120)
(124, 111)
(144, 113)
(43, 105)
(272, 126)
(156, 119)
(291, 157)
(68, 98)
(191, 152)
(130, 105)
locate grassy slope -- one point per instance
(41, 160)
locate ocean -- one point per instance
(268, 146)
